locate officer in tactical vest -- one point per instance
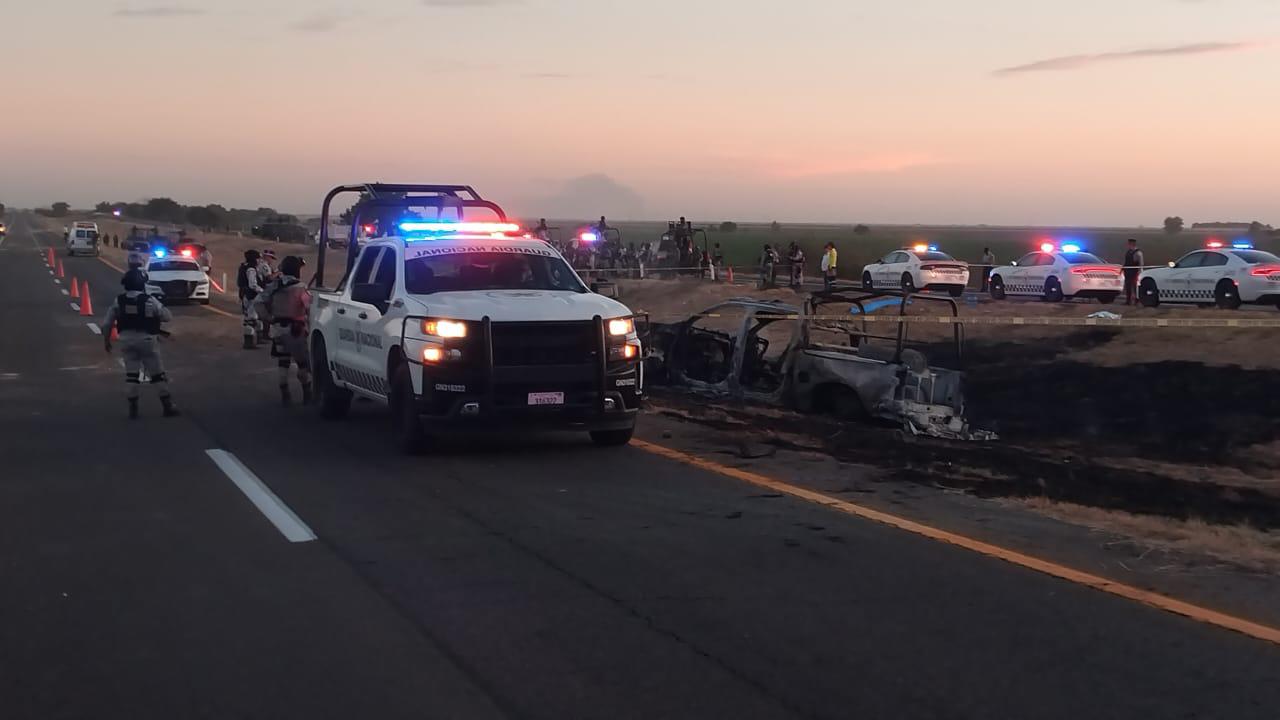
(249, 285)
(286, 304)
(138, 316)
(266, 274)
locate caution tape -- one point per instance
(1016, 321)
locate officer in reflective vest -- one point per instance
(138, 316)
(286, 303)
(249, 286)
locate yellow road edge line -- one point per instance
(210, 308)
(213, 309)
(1146, 597)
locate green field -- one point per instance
(742, 248)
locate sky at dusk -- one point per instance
(1072, 112)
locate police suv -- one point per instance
(921, 267)
(1058, 271)
(461, 325)
(1220, 274)
(175, 277)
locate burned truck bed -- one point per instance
(820, 356)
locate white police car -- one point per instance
(174, 278)
(1055, 272)
(921, 267)
(1220, 274)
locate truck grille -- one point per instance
(544, 343)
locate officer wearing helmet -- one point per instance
(286, 304)
(138, 316)
(249, 285)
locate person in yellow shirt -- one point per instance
(829, 257)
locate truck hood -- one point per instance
(516, 305)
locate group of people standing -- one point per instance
(275, 306)
(770, 259)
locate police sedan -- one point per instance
(1056, 272)
(921, 267)
(174, 278)
(1222, 275)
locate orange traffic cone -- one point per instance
(50, 260)
(75, 288)
(60, 273)
(728, 274)
(115, 332)
(86, 302)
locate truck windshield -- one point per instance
(488, 271)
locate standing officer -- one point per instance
(266, 273)
(285, 304)
(988, 264)
(249, 286)
(1133, 262)
(138, 317)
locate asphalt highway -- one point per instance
(521, 577)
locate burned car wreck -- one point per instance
(819, 357)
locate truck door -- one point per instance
(343, 341)
(371, 305)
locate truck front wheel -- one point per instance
(404, 411)
(334, 401)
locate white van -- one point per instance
(82, 237)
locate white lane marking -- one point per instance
(94, 327)
(120, 362)
(50, 272)
(289, 524)
(56, 281)
(64, 291)
(80, 367)
(9, 376)
(75, 306)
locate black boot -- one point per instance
(306, 394)
(285, 397)
(133, 408)
(169, 409)
(249, 343)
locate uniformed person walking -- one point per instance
(285, 303)
(249, 286)
(266, 273)
(138, 316)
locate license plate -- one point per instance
(546, 398)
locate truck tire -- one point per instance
(612, 438)
(997, 288)
(1226, 295)
(409, 433)
(1053, 290)
(335, 402)
(1148, 293)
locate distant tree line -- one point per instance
(206, 217)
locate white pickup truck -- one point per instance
(465, 326)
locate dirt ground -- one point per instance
(1169, 422)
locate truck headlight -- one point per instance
(621, 326)
(444, 328)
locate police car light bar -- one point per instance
(1214, 244)
(1071, 248)
(1242, 245)
(462, 228)
(160, 252)
(1046, 247)
(589, 237)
